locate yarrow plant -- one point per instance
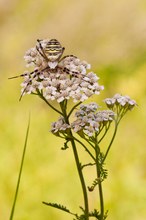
(59, 79)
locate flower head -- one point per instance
(120, 102)
(63, 79)
(59, 126)
(89, 120)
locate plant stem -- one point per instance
(51, 106)
(73, 109)
(20, 172)
(110, 144)
(99, 183)
(86, 149)
(79, 168)
(106, 130)
(78, 164)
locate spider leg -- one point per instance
(24, 90)
(67, 56)
(24, 74)
(42, 53)
(36, 72)
(72, 73)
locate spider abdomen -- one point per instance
(53, 50)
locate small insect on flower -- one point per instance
(45, 57)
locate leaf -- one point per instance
(58, 206)
(20, 171)
(94, 184)
(95, 214)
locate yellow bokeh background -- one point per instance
(111, 36)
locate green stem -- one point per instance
(51, 106)
(79, 168)
(89, 142)
(20, 172)
(99, 184)
(73, 109)
(106, 130)
(111, 142)
(78, 164)
(86, 149)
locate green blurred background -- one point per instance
(111, 35)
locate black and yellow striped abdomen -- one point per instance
(53, 49)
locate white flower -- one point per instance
(68, 78)
(89, 120)
(59, 126)
(120, 101)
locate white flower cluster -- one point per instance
(59, 126)
(68, 79)
(120, 101)
(89, 120)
